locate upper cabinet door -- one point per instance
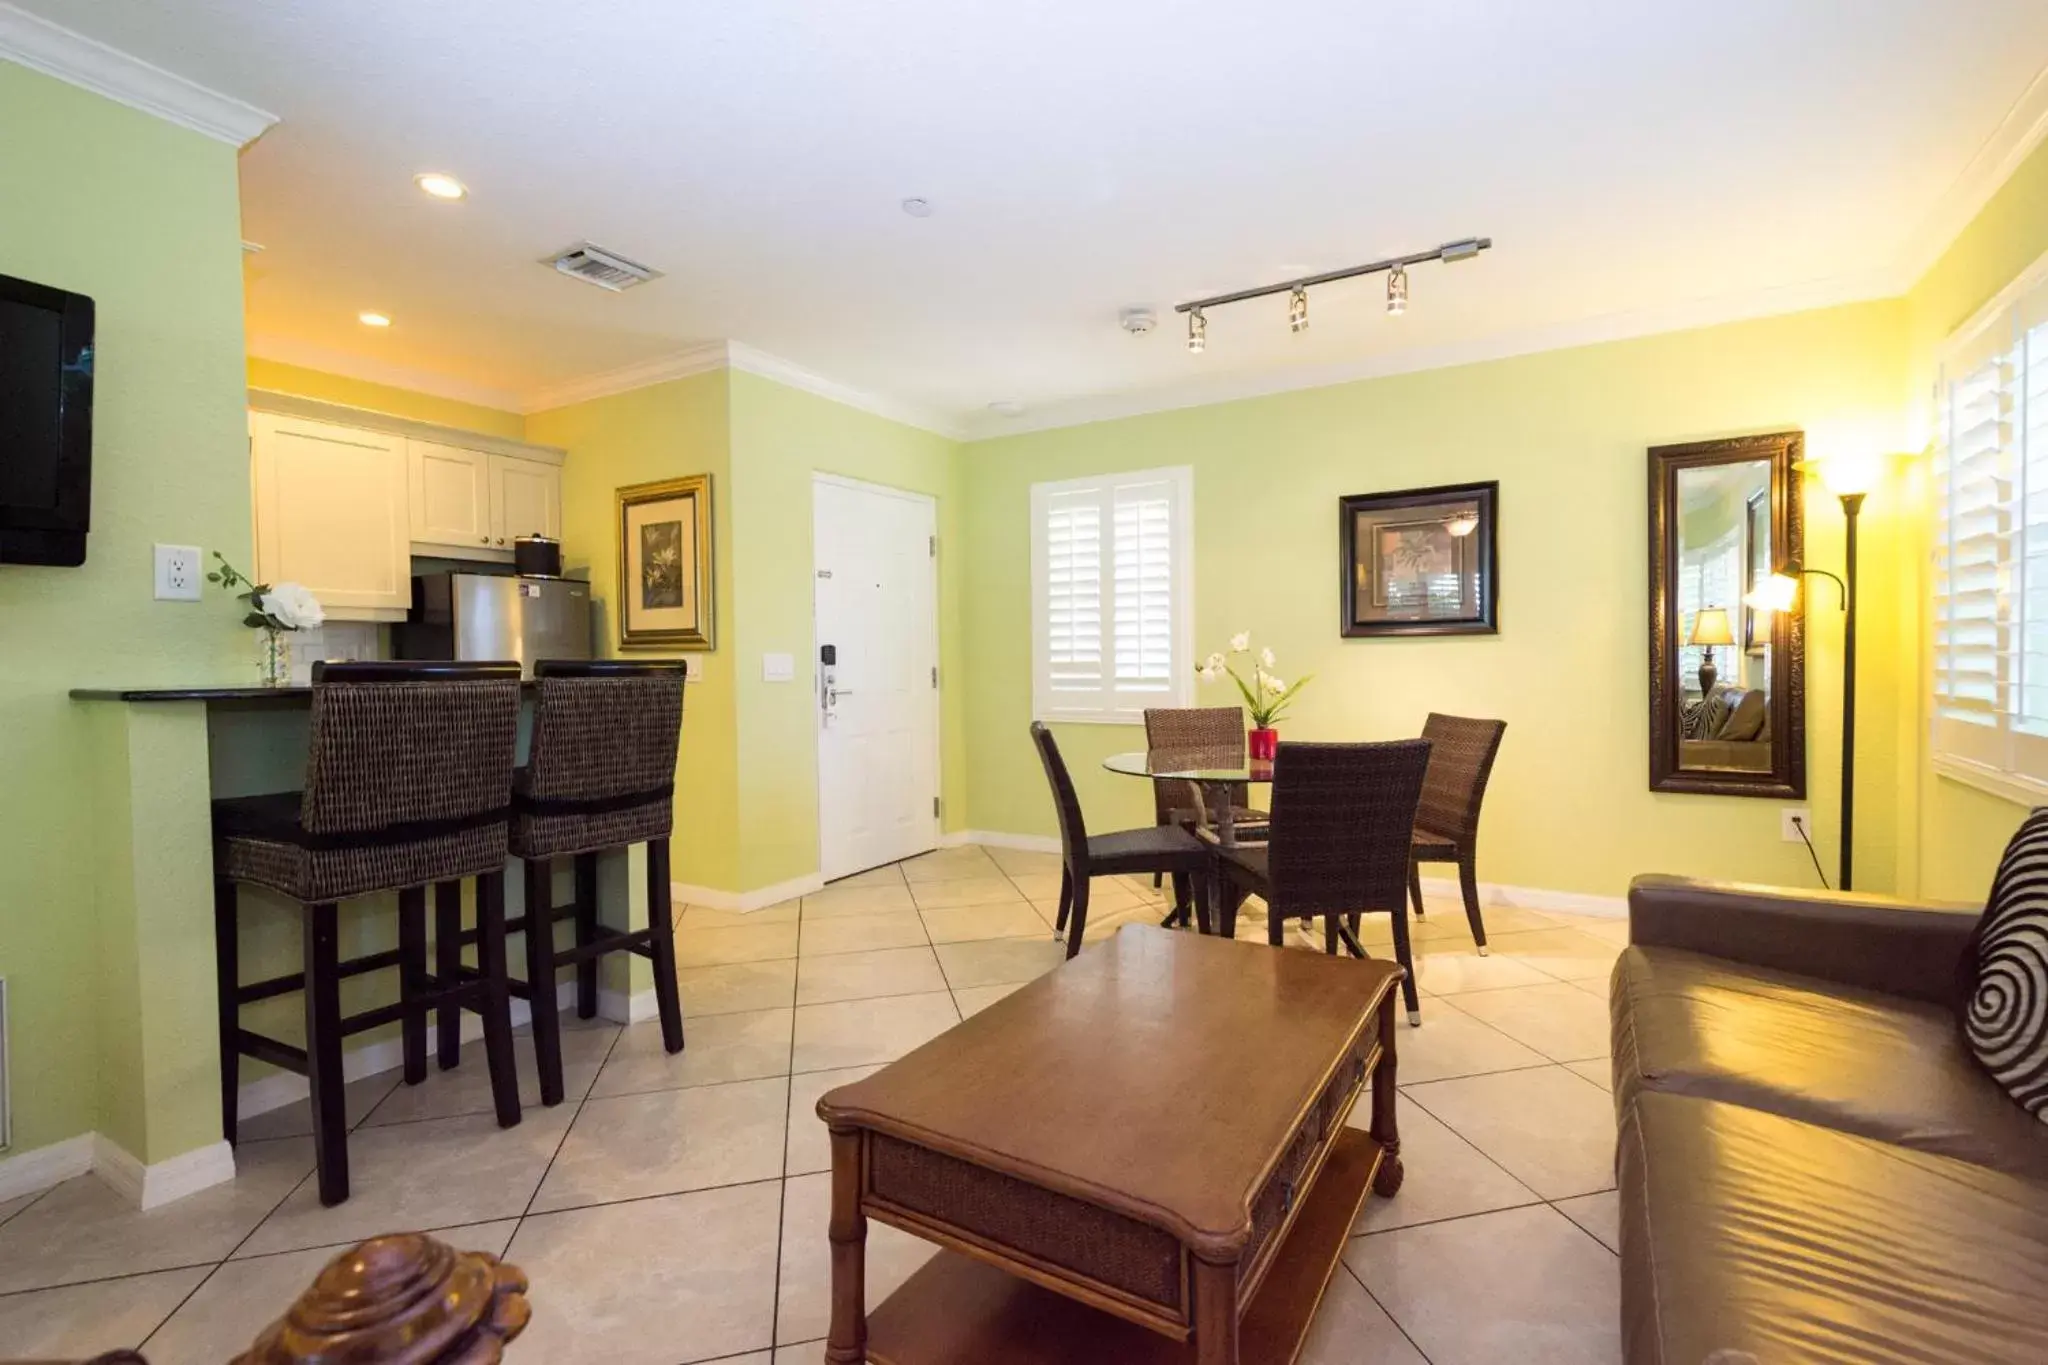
(451, 496)
(526, 500)
(331, 515)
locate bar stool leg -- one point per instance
(496, 1006)
(227, 959)
(661, 944)
(540, 979)
(323, 1051)
(586, 934)
(412, 979)
(447, 967)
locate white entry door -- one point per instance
(876, 674)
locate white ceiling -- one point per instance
(1637, 166)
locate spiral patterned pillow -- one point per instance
(2005, 1015)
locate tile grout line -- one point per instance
(782, 1186)
(1385, 1312)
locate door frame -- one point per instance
(819, 476)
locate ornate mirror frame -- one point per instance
(1787, 775)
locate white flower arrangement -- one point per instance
(286, 606)
(1267, 696)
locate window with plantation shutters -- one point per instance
(1109, 594)
(1990, 572)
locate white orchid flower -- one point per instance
(1271, 683)
(1213, 665)
(1240, 642)
(1266, 656)
(292, 606)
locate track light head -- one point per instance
(1397, 291)
(1297, 311)
(1198, 332)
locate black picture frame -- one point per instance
(1362, 590)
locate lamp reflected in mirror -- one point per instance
(1710, 628)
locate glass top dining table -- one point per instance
(1213, 771)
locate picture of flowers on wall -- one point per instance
(1424, 561)
(665, 597)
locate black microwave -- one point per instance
(46, 361)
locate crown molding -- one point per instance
(91, 65)
(699, 359)
(758, 362)
(1685, 316)
(2018, 134)
(306, 355)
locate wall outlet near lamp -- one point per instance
(1791, 819)
(178, 576)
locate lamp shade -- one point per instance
(1776, 593)
(1710, 626)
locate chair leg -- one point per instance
(1157, 880)
(1059, 926)
(1205, 902)
(1330, 923)
(1415, 886)
(496, 1006)
(1077, 919)
(412, 979)
(1276, 927)
(1468, 884)
(540, 978)
(1347, 936)
(1406, 958)
(662, 946)
(1182, 899)
(227, 984)
(586, 926)
(323, 1051)
(448, 966)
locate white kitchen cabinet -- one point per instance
(331, 511)
(451, 497)
(526, 499)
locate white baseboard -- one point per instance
(760, 898)
(636, 1008)
(1533, 898)
(1023, 843)
(37, 1169)
(152, 1187)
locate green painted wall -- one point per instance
(1962, 830)
(1565, 432)
(664, 431)
(144, 217)
(780, 437)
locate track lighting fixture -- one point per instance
(1395, 267)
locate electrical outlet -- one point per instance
(693, 668)
(1790, 819)
(177, 573)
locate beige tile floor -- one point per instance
(673, 1209)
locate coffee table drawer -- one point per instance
(1303, 1155)
(1067, 1236)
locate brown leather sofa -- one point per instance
(1812, 1166)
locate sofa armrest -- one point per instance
(1873, 942)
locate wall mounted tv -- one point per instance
(45, 423)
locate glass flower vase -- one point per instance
(275, 656)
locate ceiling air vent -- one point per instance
(605, 269)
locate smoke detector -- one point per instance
(605, 269)
(1137, 321)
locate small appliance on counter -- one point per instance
(537, 557)
(496, 616)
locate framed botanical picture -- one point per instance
(1425, 561)
(665, 596)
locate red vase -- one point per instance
(1263, 743)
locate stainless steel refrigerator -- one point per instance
(496, 616)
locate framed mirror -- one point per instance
(1727, 681)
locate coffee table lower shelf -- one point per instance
(959, 1309)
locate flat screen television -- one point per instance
(45, 423)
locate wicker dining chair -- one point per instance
(1163, 848)
(1461, 758)
(1196, 729)
(1338, 845)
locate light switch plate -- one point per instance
(177, 573)
(778, 667)
(693, 668)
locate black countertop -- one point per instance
(200, 693)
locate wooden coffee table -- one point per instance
(1139, 1158)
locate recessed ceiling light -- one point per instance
(1006, 407)
(439, 185)
(373, 319)
(918, 208)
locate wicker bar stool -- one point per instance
(1196, 728)
(1461, 757)
(600, 775)
(1342, 816)
(408, 781)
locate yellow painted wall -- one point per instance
(664, 431)
(360, 393)
(1566, 433)
(780, 437)
(144, 217)
(1961, 829)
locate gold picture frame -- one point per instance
(666, 596)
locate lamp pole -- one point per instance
(1852, 504)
